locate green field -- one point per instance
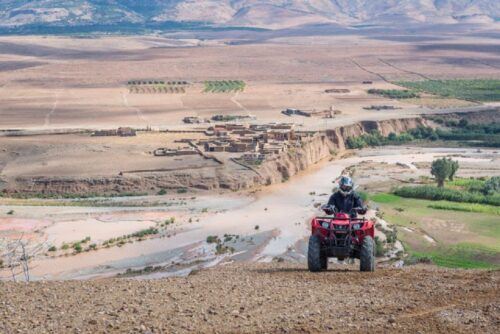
(466, 235)
(472, 90)
(224, 86)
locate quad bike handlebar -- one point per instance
(332, 210)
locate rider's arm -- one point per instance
(358, 202)
(333, 201)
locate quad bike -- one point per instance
(342, 236)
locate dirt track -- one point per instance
(282, 298)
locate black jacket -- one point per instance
(345, 204)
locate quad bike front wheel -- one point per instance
(316, 261)
(367, 255)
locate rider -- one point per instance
(346, 199)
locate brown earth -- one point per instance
(257, 298)
(61, 82)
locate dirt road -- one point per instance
(273, 297)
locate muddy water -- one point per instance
(283, 209)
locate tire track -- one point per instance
(242, 107)
(486, 64)
(52, 111)
(403, 70)
(368, 71)
(138, 111)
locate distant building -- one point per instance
(126, 132)
(298, 112)
(162, 152)
(193, 120)
(122, 132)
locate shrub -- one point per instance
(52, 248)
(162, 192)
(257, 227)
(212, 239)
(437, 194)
(466, 207)
(170, 221)
(379, 247)
(492, 186)
(10, 212)
(355, 143)
(463, 123)
(65, 246)
(77, 247)
(394, 93)
(182, 191)
(144, 233)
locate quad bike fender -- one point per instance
(368, 229)
(317, 229)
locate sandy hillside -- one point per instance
(257, 298)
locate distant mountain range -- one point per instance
(273, 14)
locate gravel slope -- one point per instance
(275, 297)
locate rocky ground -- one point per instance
(273, 297)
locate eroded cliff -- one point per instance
(230, 176)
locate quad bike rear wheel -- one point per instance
(316, 260)
(367, 255)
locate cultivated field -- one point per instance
(452, 234)
(58, 82)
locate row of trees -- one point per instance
(224, 86)
(394, 93)
(478, 135)
(156, 82)
(153, 90)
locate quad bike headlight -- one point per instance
(325, 225)
(356, 226)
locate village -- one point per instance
(223, 138)
(255, 142)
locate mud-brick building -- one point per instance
(273, 148)
(240, 146)
(252, 157)
(162, 152)
(192, 120)
(217, 146)
(126, 132)
(280, 135)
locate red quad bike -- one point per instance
(342, 236)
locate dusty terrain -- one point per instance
(58, 82)
(278, 298)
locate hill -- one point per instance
(244, 13)
(261, 298)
